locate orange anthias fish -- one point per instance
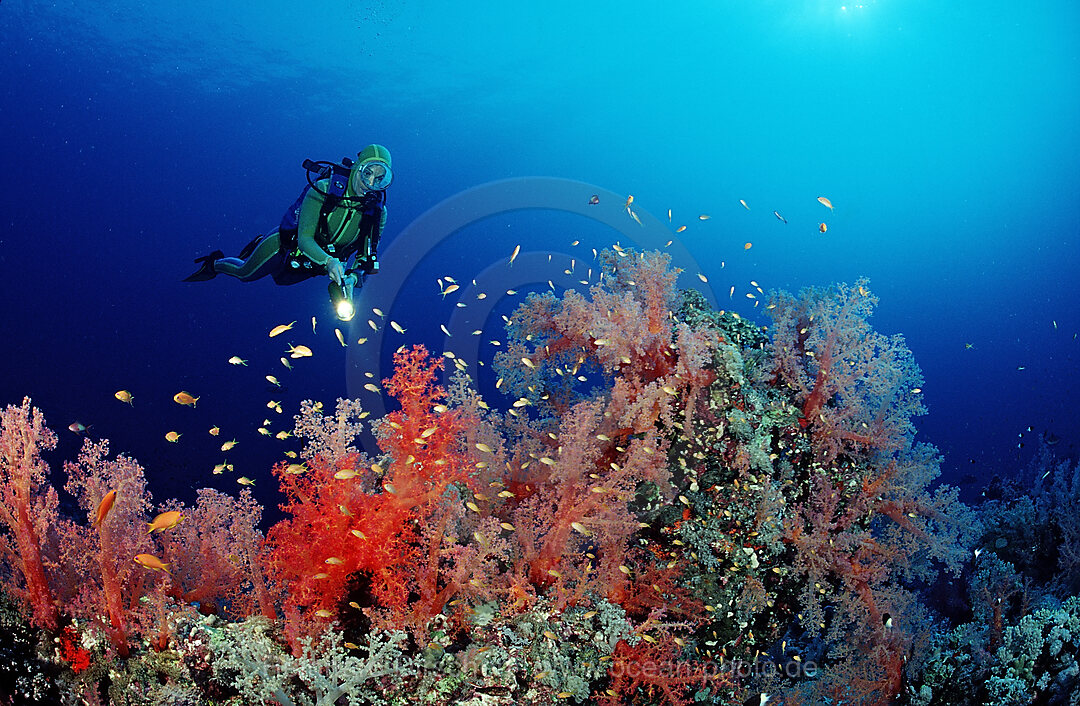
(825, 202)
(150, 561)
(104, 506)
(185, 398)
(164, 521)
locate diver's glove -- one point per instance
(335, 269)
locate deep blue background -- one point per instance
(135, 138)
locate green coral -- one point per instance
(250, 660)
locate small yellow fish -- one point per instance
(578, 527)
(290, 454)
(313, 324)
(822, 227)
(485, 448)
(370, 387)
(324, 613)
(173, 436)
(334, 561)
(285, 362)
(229, 445)
(237, 360)
(273, 380)
(244, 480)
(282, 435)
(150, 561)
(280, 329)
(747, 246)
(680, 229)
(743, 202)
(164, 521)
(340, 337)
(295, 469)
(264, 431)
(669, 215)
(345, 474)
(378, 312)
(214, 431)
(702, 277)
(704, 217)
(528, 362)
(825, 202)
(513, 255)
(125, 396)
(451, 289)
(299, 351)
(397, 327)
(361, 341)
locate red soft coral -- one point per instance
(352, 516)
(656, 668)
(26, 504)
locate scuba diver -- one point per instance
(332, 228)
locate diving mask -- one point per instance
(372, 176)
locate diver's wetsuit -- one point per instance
(347, 233)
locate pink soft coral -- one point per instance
(859, 389)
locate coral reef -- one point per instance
(675, 506)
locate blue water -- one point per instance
(138, 137)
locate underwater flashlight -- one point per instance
(344, 310)
(341, 298)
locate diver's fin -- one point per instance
(206, 268)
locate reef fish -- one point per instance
(150, 561)
(164, 521)
(104, 506)
(280, 329)
(185, 398)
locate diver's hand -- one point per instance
(335, 269)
